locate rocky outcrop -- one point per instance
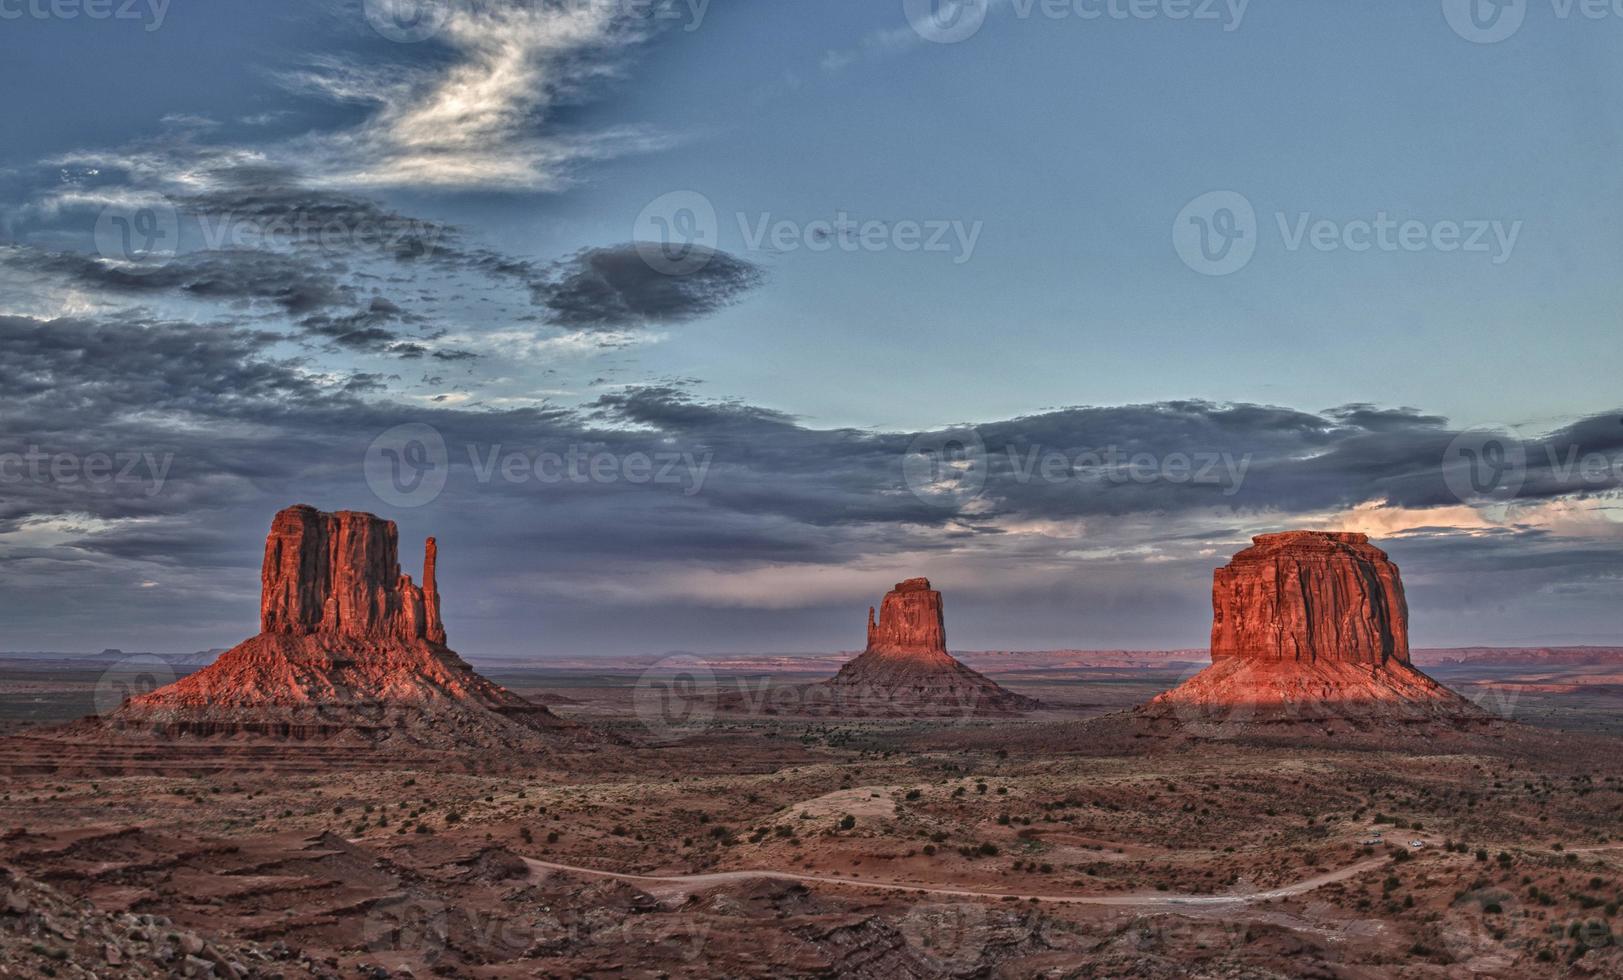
(1310, 626)
(910, 621)
(349, 648)
(340, 574)
(906, 669)
(1309, 596)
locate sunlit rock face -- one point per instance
(340, 573)
(348, 646)
(1313, 627)
(910, 621)
(1309, 596)
(906, 669)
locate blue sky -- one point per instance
(1050, 156)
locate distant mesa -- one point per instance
(1310, 626)
(349, 648)
(906, 670)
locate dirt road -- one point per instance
(1138, 900)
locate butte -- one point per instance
(349, 650)
(1312, 627)
(906, 671)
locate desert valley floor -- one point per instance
(732, 836)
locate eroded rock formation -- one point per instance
(910, 621)
(1309, 626)
(349, 647)
(906, 669)
(1309, 596)
(340, 574)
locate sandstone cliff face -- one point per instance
(910, 620)
(340, 573)
(1310, 596)
(1310, 626)
(906, 669)
(349, 648)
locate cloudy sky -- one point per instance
(694, 325)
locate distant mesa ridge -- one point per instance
(1306, 626)
(906, 669)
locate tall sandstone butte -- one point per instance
(906, 669)
(910, 621)
(1310, 626)
(348, 646)
(1308, 596)
(340, 574)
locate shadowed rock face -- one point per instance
(906, 669)
(1310, 596)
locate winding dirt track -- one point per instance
(1150, 900)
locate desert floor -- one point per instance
(758, 843)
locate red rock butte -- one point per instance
(349, 647)
(1309, 626)
(340, 574)
(906, 669)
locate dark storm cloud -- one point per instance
(275, 203)
(268, 203)
(297, 286)
(616, 287)
(248, 432)
(364, 330)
